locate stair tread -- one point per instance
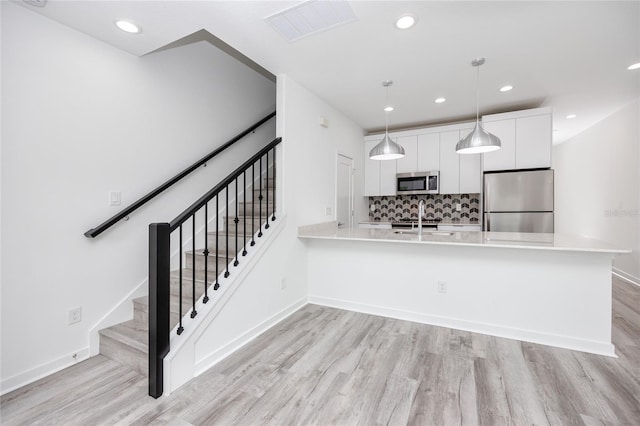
(129, 333)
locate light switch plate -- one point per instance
(115, 198)
(74, 315)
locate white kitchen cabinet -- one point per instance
(449, 163)
(459, 173)
(533, 142)
(526, 138)
(428, 152)
(371, 171)
(388, 177)
(505, 157)
(470, 172)
(408, 163)
(379, 176)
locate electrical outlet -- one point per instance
(74, 315)
(327, 211)
(283, 283)
(458, 207)
(442, 286)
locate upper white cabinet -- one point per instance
(459, 173)
(526, 138)
(449, 163)
(533, 141)
(408, 163)
(371, 171)
(379, 176)
(428, 152)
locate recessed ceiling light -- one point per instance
(405, 22)
(128, 27)
(506, 88)
(388, 108)
(634, 66)
(440, 100)
(571, 116)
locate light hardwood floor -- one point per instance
(328, 366)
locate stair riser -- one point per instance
(255, 210)
(141, 311)
(124, 354)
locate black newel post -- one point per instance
(159, 253)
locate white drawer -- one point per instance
(461, 227)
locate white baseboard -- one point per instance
(14, 382)
(600, 348)
(236, 344)
(626, 277)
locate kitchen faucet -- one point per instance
(420, 214)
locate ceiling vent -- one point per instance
(311, 17)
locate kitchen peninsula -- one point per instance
(544, 288)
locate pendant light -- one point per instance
(386, 149)
(479, 140)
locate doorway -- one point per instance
(344, 192)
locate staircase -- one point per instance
(127, 342)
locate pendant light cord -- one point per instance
(386, 115)
(478, 95)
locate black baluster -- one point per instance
(260, 198)
(180, 328)
(266, 226)
(273, 169)
(244, 213)
(205, 299)
(193, 265)
(217, 252)
(226, 228)
(236, 220)
(253, 204)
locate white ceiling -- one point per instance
(572, 56)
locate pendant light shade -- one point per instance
(386, 149)
(479, 140)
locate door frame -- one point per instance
(341, 156)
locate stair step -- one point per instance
(250, 225)
(127, 343)
(141, 309)
(254, 208)
(212, 259)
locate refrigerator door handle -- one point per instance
(488, 222)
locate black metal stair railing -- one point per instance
(160, 249)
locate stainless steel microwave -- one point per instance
(418, 183)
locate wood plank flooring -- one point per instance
(324, 366)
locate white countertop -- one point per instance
(442, 222)
(535, 241)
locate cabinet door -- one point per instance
(408, 163)
(533, 138)
(371, 171)
(505, 157)
(470, 172)
(429, 152)
(449, 163)
(388, 176)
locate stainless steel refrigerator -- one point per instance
(518, 201)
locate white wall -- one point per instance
(80, 118)
(596, 185)
(311, 152)
(278, 284)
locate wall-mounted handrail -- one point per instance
(94, 232)
(185, 215)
